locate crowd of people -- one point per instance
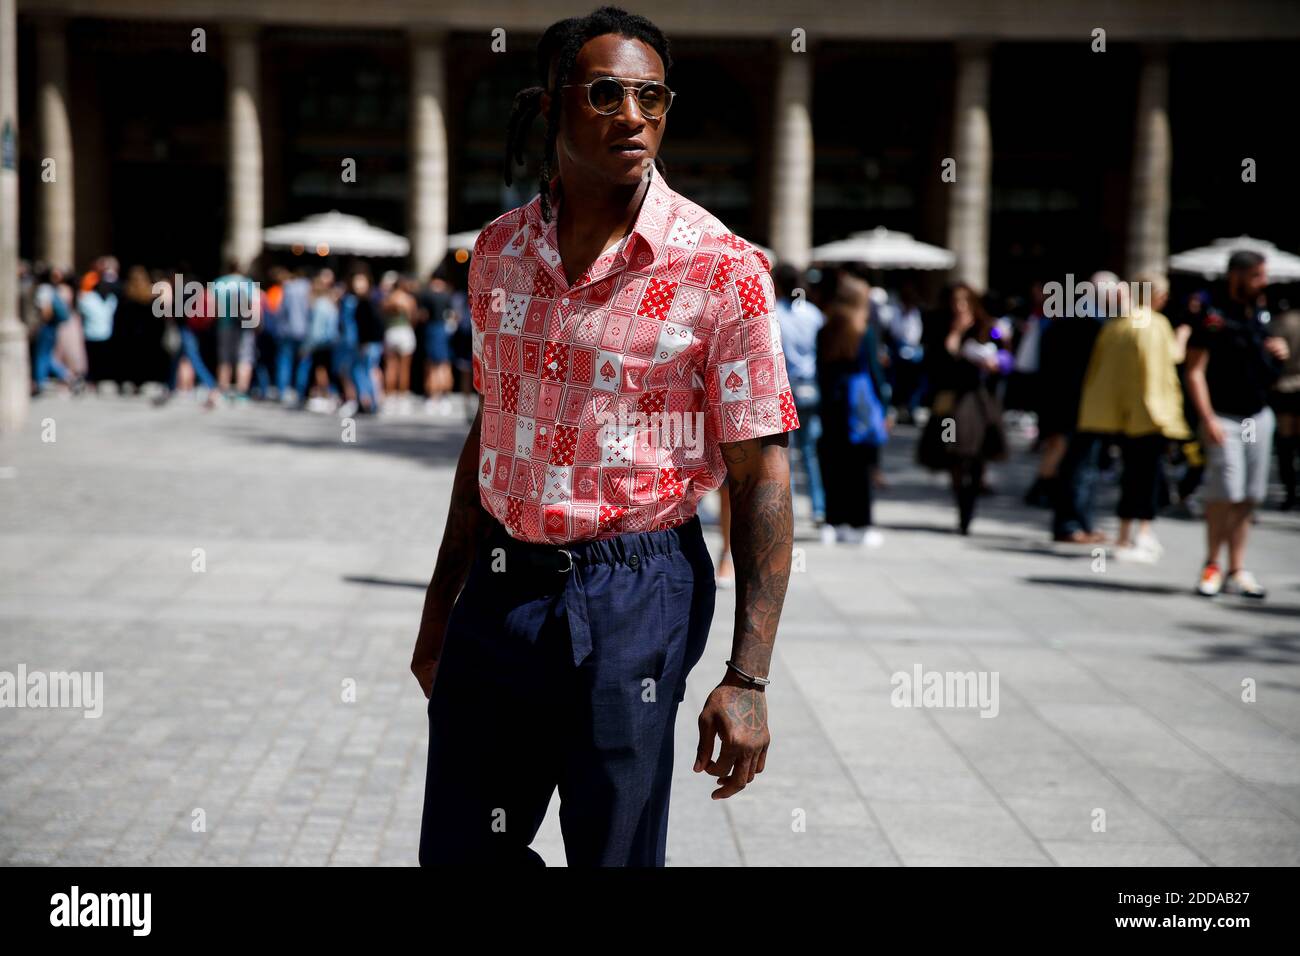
(1191, 406)
(305, 339)
(1187, 405)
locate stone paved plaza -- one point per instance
(1120, 692)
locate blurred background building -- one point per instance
(180, 152)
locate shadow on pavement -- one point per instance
(1277, 648)
(418, 442)
(1041, 550)
(384, 582)
(1100, 584)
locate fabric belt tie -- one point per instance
(560, 561)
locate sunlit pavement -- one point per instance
(235, 573)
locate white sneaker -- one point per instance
(347, 409)
(847, 534)
(320, 405)
(1136, 554)
(1211, 582)
(828, 535)
(1243, 583)
(1149, 542)
(872, 538)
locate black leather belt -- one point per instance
(559, 560)
(536, 557)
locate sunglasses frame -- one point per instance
(636, 87)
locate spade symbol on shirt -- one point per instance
(734, 381)
(607, 371)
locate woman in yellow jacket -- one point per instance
(1131, 390)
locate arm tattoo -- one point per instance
(762, 539)
(748, 709)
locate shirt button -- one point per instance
(564, 302)
(633, 561)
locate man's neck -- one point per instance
(1240, 296)
(595, 212)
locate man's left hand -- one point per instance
(736, 714)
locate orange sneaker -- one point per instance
(1211, 581)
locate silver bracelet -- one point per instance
(759, 681)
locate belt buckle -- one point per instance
(568, 555)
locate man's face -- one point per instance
(618, 148)
(1246, 285)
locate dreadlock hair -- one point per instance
(556, 54)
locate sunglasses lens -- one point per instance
(606, 95)
(653, 99)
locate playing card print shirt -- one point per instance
(604, 402)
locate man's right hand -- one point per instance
(425, 670)
(1214, 431)
(429, 643)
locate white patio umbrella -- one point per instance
(463, 240)
(771, 256)
(882, 248)
(341, 233)
(1211, 261)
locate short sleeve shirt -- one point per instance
(1239, 371)
(605, 401)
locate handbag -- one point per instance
(866, 413)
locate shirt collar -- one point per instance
(649, 229)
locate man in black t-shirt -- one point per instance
(1231, 363)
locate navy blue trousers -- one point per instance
(565, 680)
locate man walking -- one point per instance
(800, 322)
(629, 361)
(1232, 362)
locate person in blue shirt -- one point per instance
(800, 322)
(317, 352)
(53, 310)
(97, 310)
(238, 303)
(291, 331)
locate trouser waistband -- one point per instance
(629, 548)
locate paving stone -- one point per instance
(223, 686)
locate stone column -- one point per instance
(243, 240)
(969, 196)
(1148, 224)
(429, 188)
(15, 376)
(55, 223)
(792, 162)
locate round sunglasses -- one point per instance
(606, 95)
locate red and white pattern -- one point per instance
(679, 321)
